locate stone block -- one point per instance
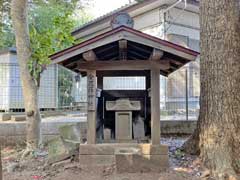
(5, 117)
(147, 149)
(129, 158)
(123, 125)
(60, 150)
(57, 150)
(124, 141)
(70, 132)
(107, 134)
(95, 160)
(138, 129)
(52, 114)
(135, 163)
(18, 118)
(102, 149)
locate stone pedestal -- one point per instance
(127, 157)
(123, 117)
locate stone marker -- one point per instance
(123, 125)
(71, 136)
(57, 150)
(66, 145)
(107, 134)
(123, 108)
(138, 129)
(70, 132)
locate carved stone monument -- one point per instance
(123, 117)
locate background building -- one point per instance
(170, 20)
(177, 22)
(59, 87)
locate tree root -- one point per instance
(228, 175)
(28, 151)
(191, 146)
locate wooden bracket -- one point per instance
(90, 56)
(156, 55)
(122, 49)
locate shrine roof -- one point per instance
(128, 44)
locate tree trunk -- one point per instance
(1, 175)
(30, 89)
(219, 121)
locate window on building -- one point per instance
(124, 83)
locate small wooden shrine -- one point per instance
(124, 51)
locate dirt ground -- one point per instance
(182, 167)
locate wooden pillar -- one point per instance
(155, 106)
(91, 98)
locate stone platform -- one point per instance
(128, 157)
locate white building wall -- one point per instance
(4, 81)
(10, 85)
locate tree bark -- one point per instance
(1, 175)
(30, 90)
(218, 132)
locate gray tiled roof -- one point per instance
(119, 10)
(106, 15)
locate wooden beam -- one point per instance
(156, 55)
(138, 55)
(123, 65)
(91, 101)
(122, 73)
(179, 63)
(122, 44)
(106, 56)
(89, 56)
(107, 48)
(71, 64)
(139, 48)
(155, 107)
(151, 43)
(122, 49)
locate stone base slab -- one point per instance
(129, 158)
(109, 149)
(93, 160)
(132, 163)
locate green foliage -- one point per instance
(50, 31)
(50, 26)
(179, 153)
(7, 38)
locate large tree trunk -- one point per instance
(1, 175)
(218, 130)
(30, 89)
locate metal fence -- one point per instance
(61, 89)
(180, 94)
